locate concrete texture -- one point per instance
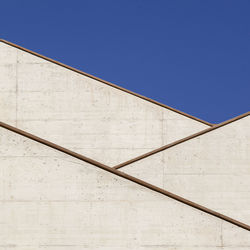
(53, 201)
(83, 114)
(212, 170)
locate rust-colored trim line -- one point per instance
(125, 176)
(106, 82)
(138, 158)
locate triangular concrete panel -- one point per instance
(212, 169)
(84, 113)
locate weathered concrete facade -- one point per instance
(81, 113)
(212, 169)
(53, 201)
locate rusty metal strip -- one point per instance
(138, 158)
(106, 82)
(125, 176)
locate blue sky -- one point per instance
(191, 55)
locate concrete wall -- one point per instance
(52, 201)
(83, 114)
(212, 169)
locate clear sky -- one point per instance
(191, 55)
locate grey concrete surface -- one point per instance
(81, 113)
(49, 200)
(212, 169)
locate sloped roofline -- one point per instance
(125, 176)
(138, 158)
(106, 82)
